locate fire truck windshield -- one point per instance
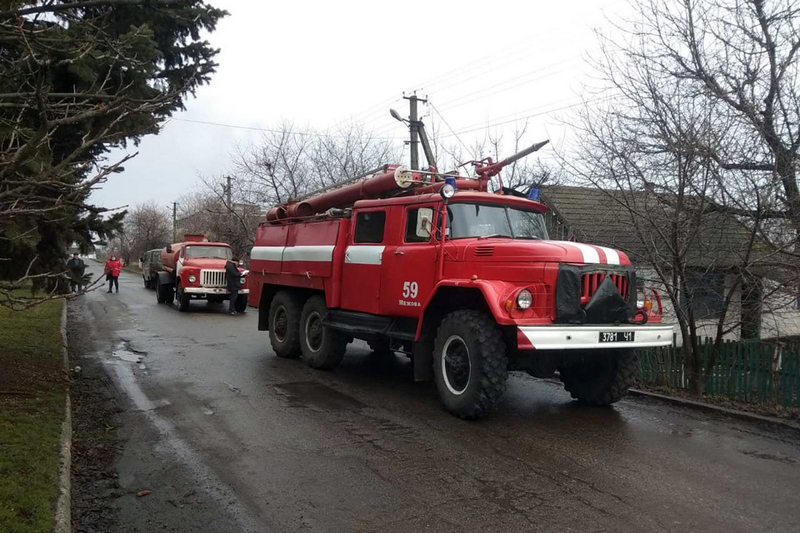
(209, 252)
(481, 220)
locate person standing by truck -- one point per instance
(234, 279)
(112, 270)
(76, 268)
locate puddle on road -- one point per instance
(126, 353)
(316, 395)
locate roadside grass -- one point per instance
(32, 393)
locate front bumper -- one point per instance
(587, 337)
(212, 290)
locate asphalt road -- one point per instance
(227, 437)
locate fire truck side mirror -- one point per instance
(424, 222)
(169, 248)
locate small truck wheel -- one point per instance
(602, 378)
(322, 346)
(163, 292)
(183, 299)
(470, 364)
(284, 324)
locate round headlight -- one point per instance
(524, 299)
(447, 191)
(192, 279)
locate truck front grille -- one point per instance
(591, 280)
(213, 278)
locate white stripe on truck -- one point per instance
(364, 255)
(320, 253)
(267, 253)
(612, 257)
(308, 253)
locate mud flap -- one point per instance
(422, 357)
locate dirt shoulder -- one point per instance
(96, 443)
(33, 388)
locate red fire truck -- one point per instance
(195, 269)
(464, 281)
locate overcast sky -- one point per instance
(483, 65)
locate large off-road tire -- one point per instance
(240, 305)
(602, 378)
(184, 300)
(470, 364)
(322, 346)
(284, 324)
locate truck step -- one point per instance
(356, 324)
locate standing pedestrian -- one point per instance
(76, 268)
(112, 270)
(234, 278)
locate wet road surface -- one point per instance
(227, 437)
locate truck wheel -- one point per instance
(603, 379)
(322, 346)
(284, 325)
(183, 299)
(470, 364)
(161, 293)
(240, 305)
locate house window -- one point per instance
(706, 293)
(369, 227)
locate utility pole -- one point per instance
(174, 221)
(228, 193)
(413, 127)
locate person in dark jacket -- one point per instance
(76, 268)
(234, 278)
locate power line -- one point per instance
(528, 116)
(448, 125)
(268, 130)
(458, 102)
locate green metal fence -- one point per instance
(746, 371)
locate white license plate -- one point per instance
(617, 336)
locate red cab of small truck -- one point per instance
(464, 281)
(195, 269)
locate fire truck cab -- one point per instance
(464, 281)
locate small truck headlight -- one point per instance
(640, 299)
(192, 279)
(524, 299)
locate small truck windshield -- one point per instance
(481, 220)
(210, 252)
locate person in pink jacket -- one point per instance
(112, 270)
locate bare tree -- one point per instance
(662, 147)
(292, 161)
(224, 216)
(147, 226)
(739, 57)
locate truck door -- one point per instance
(363, 262)
(413, 265)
